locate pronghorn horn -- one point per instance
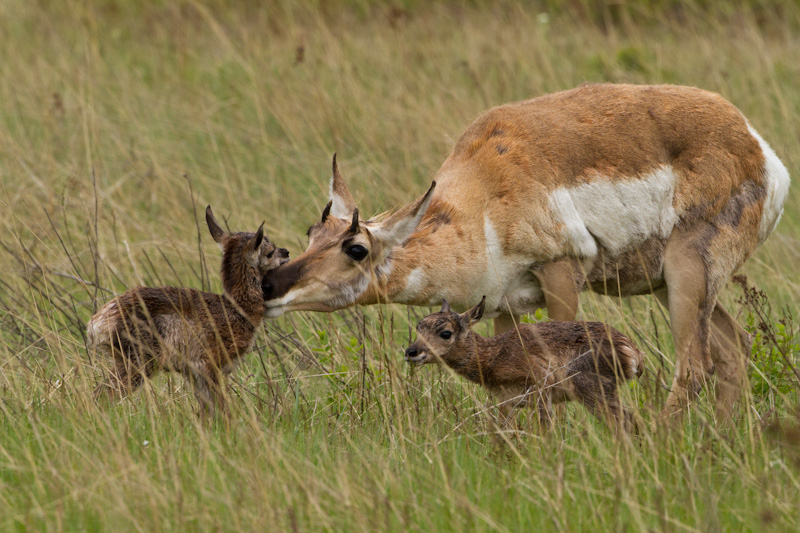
(326, 211)
(354, 224)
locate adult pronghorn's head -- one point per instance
(344, 254)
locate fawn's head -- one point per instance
(245, 256)
(440, 333)
(343, 256)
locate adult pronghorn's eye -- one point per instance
(357, 252)
(446, 334)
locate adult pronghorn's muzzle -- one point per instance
(279, 281)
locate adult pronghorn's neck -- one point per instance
(402, 277)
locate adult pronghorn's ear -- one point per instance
(474, 315)
(404, 221)
(342, 203)
(213, 226)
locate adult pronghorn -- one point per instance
(620, 189)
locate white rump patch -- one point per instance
(97, 330)
(619, 213)
(776, 181)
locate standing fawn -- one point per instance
(196, 333)
(538, 364)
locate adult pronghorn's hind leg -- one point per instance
(730, 350)
(690, 300)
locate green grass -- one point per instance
(119, 122)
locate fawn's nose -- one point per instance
(283, 252)
(411, 352)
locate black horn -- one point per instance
(354, 224)
(327, 211)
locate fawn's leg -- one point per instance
(545, 411)
(505, 401)
(207, 383)
(131, 367)
(599, 395)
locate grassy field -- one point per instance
(120, 122)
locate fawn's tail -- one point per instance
(630, 357)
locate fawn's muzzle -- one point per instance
(283, 254)
(415, 355)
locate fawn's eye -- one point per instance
(446, 334)
(357, 252)
(269, 255)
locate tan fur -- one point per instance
(539, 365)
(198, 334)
(604, 187)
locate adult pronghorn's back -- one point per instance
(621, 189)
(646, 157)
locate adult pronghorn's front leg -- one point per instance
(560, 288)
(690, 305)
(505, 322)
(558, 281)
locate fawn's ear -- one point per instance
(213, 226)
(259, 238)
(473, 316)
(445, 306)
(255, 242)
(252, 248)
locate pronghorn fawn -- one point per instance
(195, 333)
(536, 365)
(618, 189)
